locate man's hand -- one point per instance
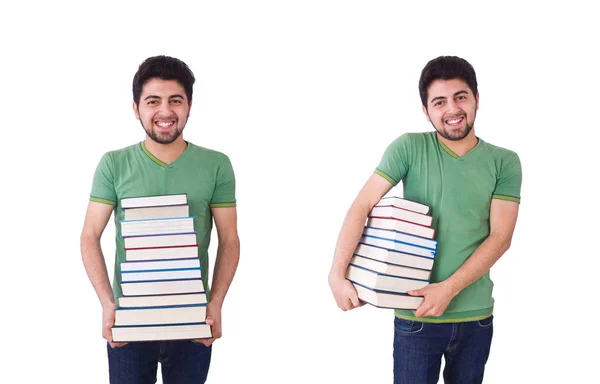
(436, 296)
(108, 320)
(213, 318)
(344, 293)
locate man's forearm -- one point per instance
(349, 236)
(484, 257)
(95, 267)
(228, 256)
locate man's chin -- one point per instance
(456, 135)
(163, 138)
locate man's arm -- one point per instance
(344, 293)
(228, 256)
(503, 218)
(96, 218)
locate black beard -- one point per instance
(468, 128)
(444, 134)
(162, 140)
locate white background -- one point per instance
(303, 96)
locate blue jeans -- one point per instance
(419, 347)
(182, 362)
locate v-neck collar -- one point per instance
(159, 161)
(453, 154)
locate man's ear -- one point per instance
(135, 110)
(426, 113)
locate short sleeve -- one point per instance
(508, 183)
(224, 193)
(393, 165)
(103, 186)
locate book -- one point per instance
(162, 275)
(390, 234)
(401, 226)
(177, 314)
(163, 295)
(389, 269)
(386, 299)
(161, 300)
(161, 253)
(122, 334)
(157, 241)
(164, 211)
(381, 282)
(154, 265)
(157, 226)
(162, 287)
(395, 254)
(401, 214)
(391, 256)
(399, 202)
(153, 201)
(398, 246)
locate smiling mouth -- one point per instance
(454, 121)
(165, 125)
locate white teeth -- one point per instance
(453, 121)
(164, 125)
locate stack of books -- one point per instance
(163, 295)
(395, 254)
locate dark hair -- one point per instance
(446, 68)
(165, 68)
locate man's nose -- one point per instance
(452, 107)
(165, 109)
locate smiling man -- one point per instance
(163, 163)
(473, 189)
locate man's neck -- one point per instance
(166, 153)
(460, 147)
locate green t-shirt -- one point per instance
(206, 176)
(459, 190)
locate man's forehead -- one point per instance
(451, 84)
(164, 87)
(447, 89)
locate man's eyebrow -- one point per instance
(152, 97)
(444, 97)
(176, 96)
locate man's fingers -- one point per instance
(215, 330)
(422, 310)
(354, 300)
(109, 320)
(206, 342)
(107, 334)
(346, 298)
(348, 304)
(340, 302)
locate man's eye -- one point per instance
(152, 102)
(176, 101)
